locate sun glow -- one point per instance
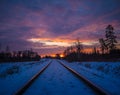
(53, 55)
(62, 55)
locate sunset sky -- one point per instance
(49, 26)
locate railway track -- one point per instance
(97, 89)
(29, 83)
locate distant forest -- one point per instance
(107, 51)
(18, 56)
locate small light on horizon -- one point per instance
(62, 55)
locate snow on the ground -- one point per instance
(104, 74)
(57, 80)
(14, 75)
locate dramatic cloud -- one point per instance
(48, 26)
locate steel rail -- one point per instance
(96, 88)
(27, 85)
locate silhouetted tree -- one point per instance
(78, 47)
(67, 51)
(110, 38)
(109, 43)
(71, 48)
(103, 46)
(94, 50)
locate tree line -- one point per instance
(107, 51)
(17, 56)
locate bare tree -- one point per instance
(79, 47)
(68, 50)
(103, 45)
(94, 50)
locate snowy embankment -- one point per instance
(14, 75)
(104, 74)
